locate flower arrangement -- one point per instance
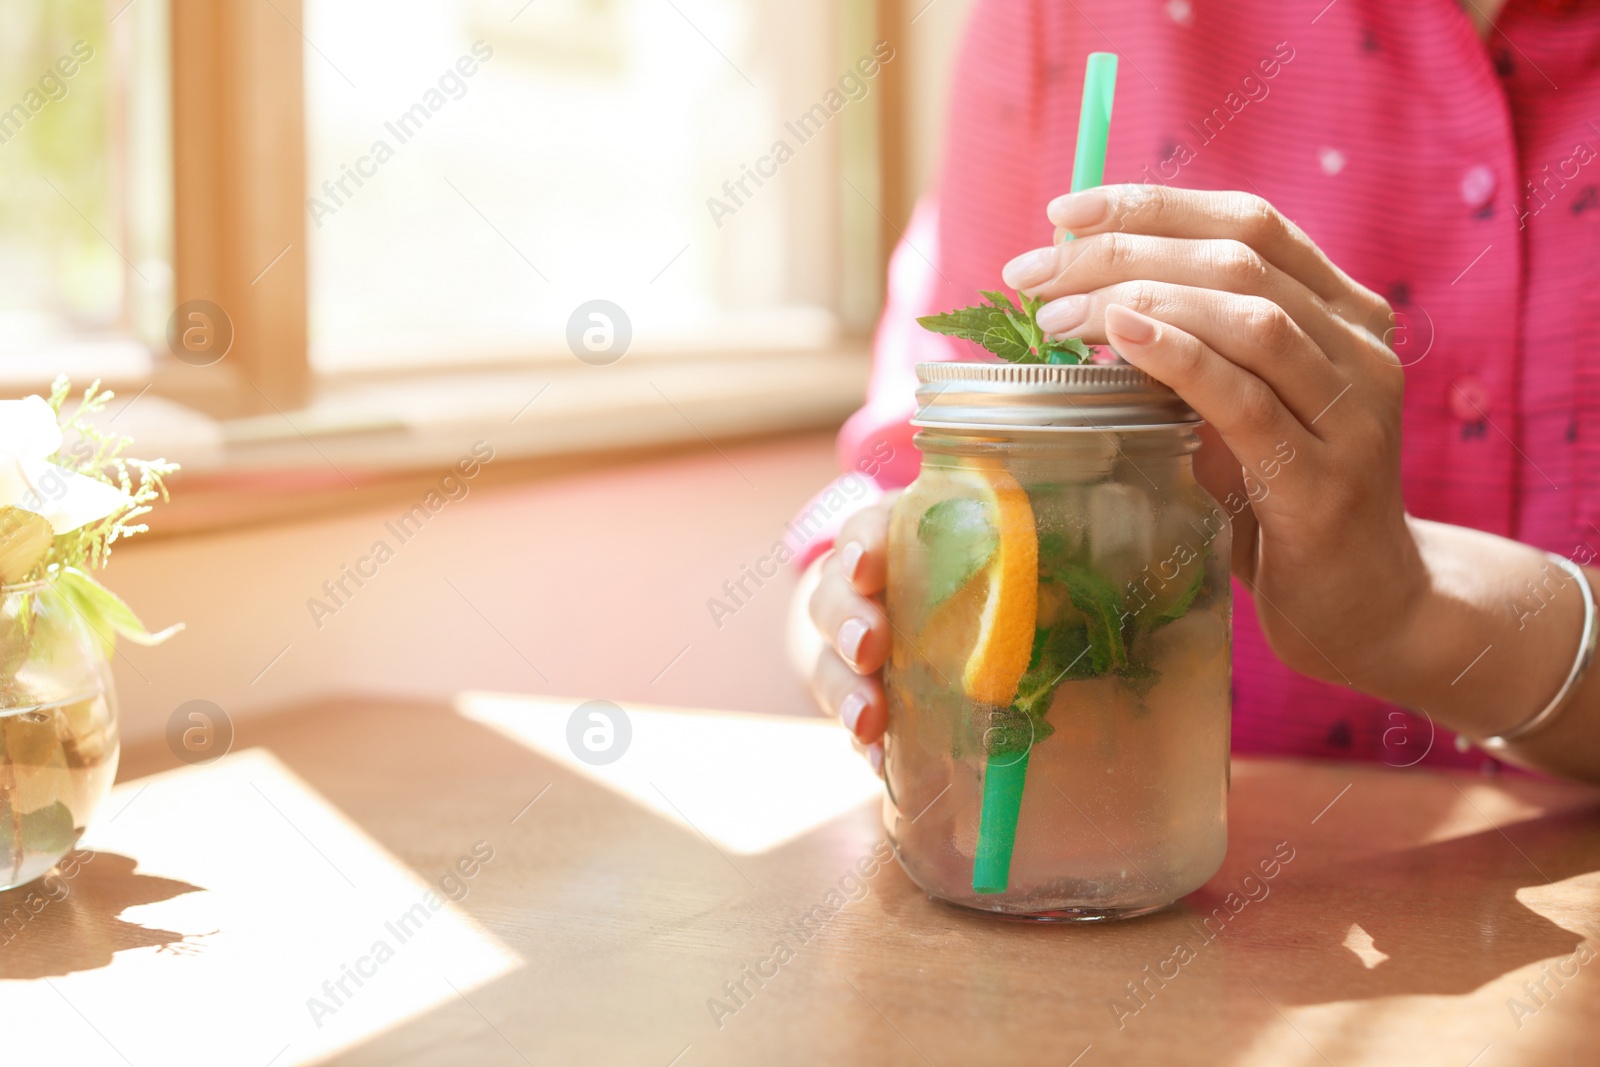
(62, 508)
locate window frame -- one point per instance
(239, 188)
(238, 183)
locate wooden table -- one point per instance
(225, 905)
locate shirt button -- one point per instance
(1477, 187)
(1469, 400)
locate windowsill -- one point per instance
(394, 433)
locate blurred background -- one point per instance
(324, 250)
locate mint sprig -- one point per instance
(1093, 594)
(1010, 332)
(1103, 637)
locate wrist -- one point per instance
(1404, 636)
(1482, 634)
(1576, 674)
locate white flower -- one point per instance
(29, 436)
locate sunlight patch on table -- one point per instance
(1360, 942)
(1267, 1029)
(1482, 807)
(748, 782)
(1571, 903)
(305, 936)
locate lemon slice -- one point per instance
(985, 631)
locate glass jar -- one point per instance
(58, 730)
(1059, 683)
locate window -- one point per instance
(363, 189)
(85, 193)
(478, 170)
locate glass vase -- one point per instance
(58, 730)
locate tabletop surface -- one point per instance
(366, 881)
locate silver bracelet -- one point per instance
(1580, 666)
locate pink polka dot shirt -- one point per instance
(1457, 176)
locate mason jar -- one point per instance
(58, 729)
(1059, 682)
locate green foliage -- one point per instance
(1060, 654)
(960, 540)
(1093, 594)
(1180, 607)
(48, 829)
(105, 613)
(1010, 332)
(65, 562)
(1055, 551)
(44, 831)
(988, 325)
(89, 546)
(1103, 637)
(1011, 732)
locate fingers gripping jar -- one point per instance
(1059, 683)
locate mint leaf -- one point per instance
(1093, 594)
(989, 326)
(1056, 553)
(1180, 607)
(960, 542)
(998, 299)
(1041, 637)
(1069, 653)
(1060, 654)
(1038, 685)
(1010, 332)
(1139, 677)
(1027, 326)
(1067, 350)
(1012, 732)
(1147, 620)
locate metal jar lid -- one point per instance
(1043, 396)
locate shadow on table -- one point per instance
(66, 923)
(1354, 929)
(601, 897)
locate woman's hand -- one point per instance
(847, 610)
(1223, 299)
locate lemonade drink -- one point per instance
(1061, 608)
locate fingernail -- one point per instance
(1064, 315)
(850, 559)
(850, 710)
(875, 757)
(1077, 211)
(1030, 268)
(851, 634)
(1128, 324)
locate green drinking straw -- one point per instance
(997, 820)
(1006, 772)
(1094, 120)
